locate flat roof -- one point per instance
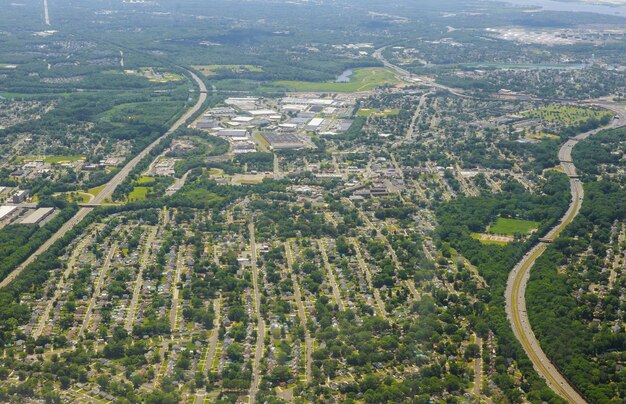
(232, 132)
(315, 122)
(37, 216)
(6, 210)
(258, 112)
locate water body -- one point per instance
(345, 76)
(552, 5)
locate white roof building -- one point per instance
(5, 211)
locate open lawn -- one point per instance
(153, 76)
(541, 135)
(96, 190)
(512, 226)
(211, 70)
(145, 179)
(364, 79)
(567, 114)
(376, 112)
(52, 159)
(78, 197)
(138, 194)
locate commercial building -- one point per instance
(232, 132)
(20, 196)
(37, 216)
(283, 141)
(6, 211)
(314, 123)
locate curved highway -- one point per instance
(110, 186)
(518, 278)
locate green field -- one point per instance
(211, 70)
(96, 190)
(145, 179)
(138, 194)
(52, 159)
(155, 77)
(512, 226)
(365, 112)
(364, 79)
(567, 114)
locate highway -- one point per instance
(408, 76)
(518, 278)
(107, 191)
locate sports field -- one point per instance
(512, 226)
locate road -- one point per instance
(145, 258)
(97, 289)
(60, 286)
(175, 291)
(258, 352)
(368, 277)
(302, 314)
(518, 278)
(331, 276)
(107, 191)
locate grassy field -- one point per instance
(567, 114)
(138, 194)
(364, 79)
(96, 190)
(155, 77)
(364, 112)
(512, 226)
(211, 70)
(78, 197)
(145, 179)
(52, 159)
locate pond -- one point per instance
(345, 77)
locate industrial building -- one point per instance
(314, 123)
(7, 211)
(283, 141)
(20, 196)
(37, 216)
